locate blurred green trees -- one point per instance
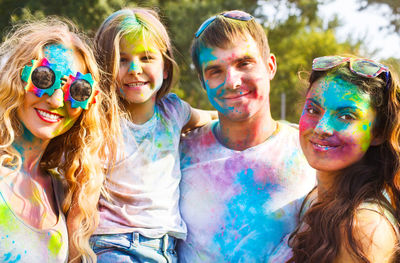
(296, 38)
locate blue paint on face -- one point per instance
(206, 55)
(134, 67)
(212, 94)
(62, 57)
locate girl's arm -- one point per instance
(375, 236)
(199, 118)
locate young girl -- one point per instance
(140, 221)
(349, 132)
(48, 119)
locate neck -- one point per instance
(31, 150)
(140, 113)
(245, 134)
(325, 182)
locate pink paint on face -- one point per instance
(336, 124)
(237, 79)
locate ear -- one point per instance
(201, 81)
(271, 64)
(165, 74)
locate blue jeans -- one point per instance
(133, 247)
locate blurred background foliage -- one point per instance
(295, 40)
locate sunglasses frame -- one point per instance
(351, 61)
(26, 76)
(233, 14)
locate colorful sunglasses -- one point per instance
(42, 79)
(364, 67)
(234, 14)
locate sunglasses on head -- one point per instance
(42, 79)
(234, 14)
(363, 67)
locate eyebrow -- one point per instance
(238, 60)
(337, 109)
(211, 67)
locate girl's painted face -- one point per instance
(141, 70)
(336, 124)
(47, 117)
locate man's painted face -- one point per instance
(237, 79)
(336, 124)
(48, 116)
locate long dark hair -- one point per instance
(319, 236)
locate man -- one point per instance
(243, 176)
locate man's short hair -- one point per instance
(223, 32)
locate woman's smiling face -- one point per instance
(49, 116)
(336, 124)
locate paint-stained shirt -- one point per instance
(239, 205)
(144, 184)
(20, 242)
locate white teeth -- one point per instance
(323, 146)
(49, 115)
(136, 84)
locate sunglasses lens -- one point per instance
(80, 90)
(366, 68)
(324, 63)
(238, 15)
(43, 77)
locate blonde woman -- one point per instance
(49, 118)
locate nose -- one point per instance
(56, 100)
(324, 127)
(233, 78)
(135, 67)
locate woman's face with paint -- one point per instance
(336, 124)
(49, 116)
(141, 71)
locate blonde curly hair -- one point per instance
(79, 153)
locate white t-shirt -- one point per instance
(238, 205)
(144, 185)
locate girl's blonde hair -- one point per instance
(77, 153)
(139, 23)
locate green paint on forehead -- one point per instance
(137, 44)
(336, 91)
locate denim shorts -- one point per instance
(133, 247)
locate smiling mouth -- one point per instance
(135, 85)
(48, 116)
(234, 96)
(321, 147)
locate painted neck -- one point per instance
(140, 113)
(31, 150)
(244, 134)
